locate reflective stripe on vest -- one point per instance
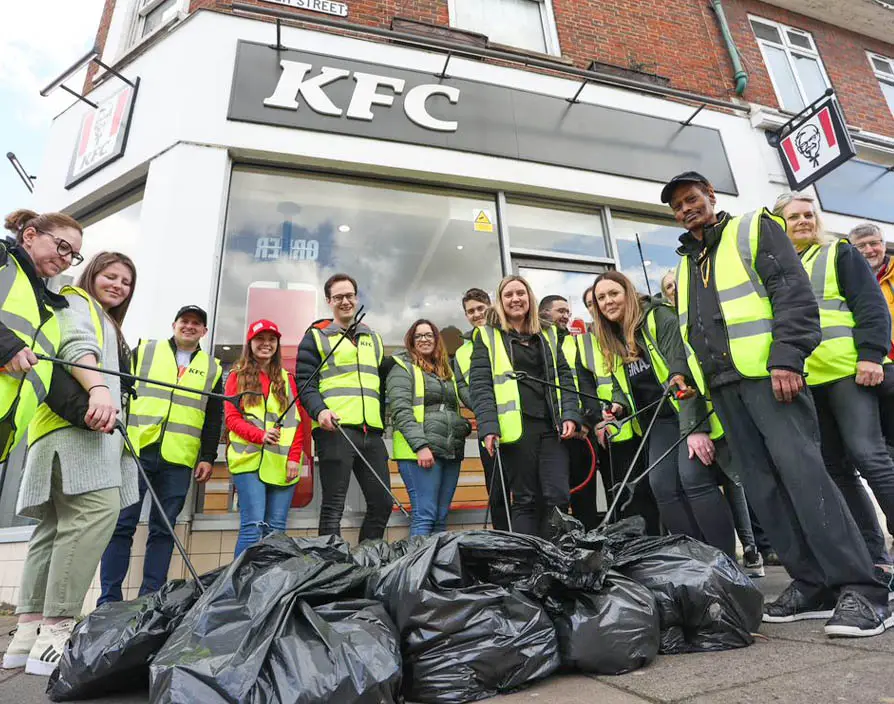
(836, 356)
(744, 304)
(349, 381)
(46, 421)
(22, 394)
(662, 372)
(268, 460)
(593, 361)
(173, 417)
(463, 358)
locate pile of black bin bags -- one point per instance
(455, 617)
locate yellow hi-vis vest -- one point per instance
(172, 417)
(836, 356)
(401, 449)
(349, 381)
(569, 350)
(46, 421)
(463, 358)
(506, 393)
(662, 372)
(22, 394)
(268, 460)
(592, 360)
(744, 303)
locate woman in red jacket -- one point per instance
(264, 457)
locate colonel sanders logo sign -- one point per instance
(817, 145)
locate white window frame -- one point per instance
(547, 23)
(886, 78)
(139, 10)
(790, 52)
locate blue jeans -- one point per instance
(171, 483)
(431, 491)
(263, 508)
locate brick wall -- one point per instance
(101, 35)
(680, 41)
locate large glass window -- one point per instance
(526, 24)
(659, 240)
(550, 230)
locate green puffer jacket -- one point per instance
(444, 430)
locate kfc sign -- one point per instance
(816, 145)
(103, 134)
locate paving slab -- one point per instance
(570, 689)
(861, 680)
(812, 632)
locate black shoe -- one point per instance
(753, 563)
(885, 574)
(793, 605)
(771, 559)
(857, 617)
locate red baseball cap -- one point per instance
(262, 325)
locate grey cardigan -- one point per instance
(89, 461)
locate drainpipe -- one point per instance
(741, 77)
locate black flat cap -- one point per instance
(685, 177)
(203, 316)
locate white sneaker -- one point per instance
(47, 649)
(23, 638)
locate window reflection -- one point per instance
(659, 238)
(564, 231)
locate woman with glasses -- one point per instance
(265, 448)
(527, 418)
(429, 432)
(44, 246)
(76, 481)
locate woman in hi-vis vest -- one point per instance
(264, 458)
(527, 419)
(642, 347)
(75, 480)
(429, 432)
(44, 246)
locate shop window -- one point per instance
(884, 71)
(150, 16)
(659, 239)
(535, 229)
(793, 62)
(524, 24)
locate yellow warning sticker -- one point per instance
(483, 221)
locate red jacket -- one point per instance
(236, 422)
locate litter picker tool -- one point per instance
(499, 463)
(371, 470)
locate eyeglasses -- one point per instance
(64, 249)
(430, 336)
(871, 244)
(340, 297)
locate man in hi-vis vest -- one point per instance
(176, 434)
(749, 319)
(349, 390)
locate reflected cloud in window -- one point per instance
(659, 238)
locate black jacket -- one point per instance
(796, 328)
(481, 388)
(309, 360)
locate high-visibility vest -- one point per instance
(592, 360)
(744, 303)
(463, 359)
(836, 356)
(401, 449)
(173, 417)
(22, 394)
(569, 350)
(506, 393)
(268, 460)
(46, 421)
(349, 381)
(662, 372)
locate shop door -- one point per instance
(566, 279)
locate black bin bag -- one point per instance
(705, 601)
(109, 651)
(468, 612)
(229, 647)
(609, 632)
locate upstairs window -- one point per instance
(793, 62)
(525, 24)
(884, 70)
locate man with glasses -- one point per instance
(870, 242)
(346, 392)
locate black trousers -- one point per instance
(795, 499)
(613, 464)
(537, 469)
(583, 502)
(337, 460)
(494, 490)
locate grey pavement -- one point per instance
(789, 664)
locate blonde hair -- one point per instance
(618, 340)
(496, 316)
(789, 197)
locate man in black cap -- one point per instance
(176, 434)
(748, 312)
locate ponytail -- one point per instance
(20, 220)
